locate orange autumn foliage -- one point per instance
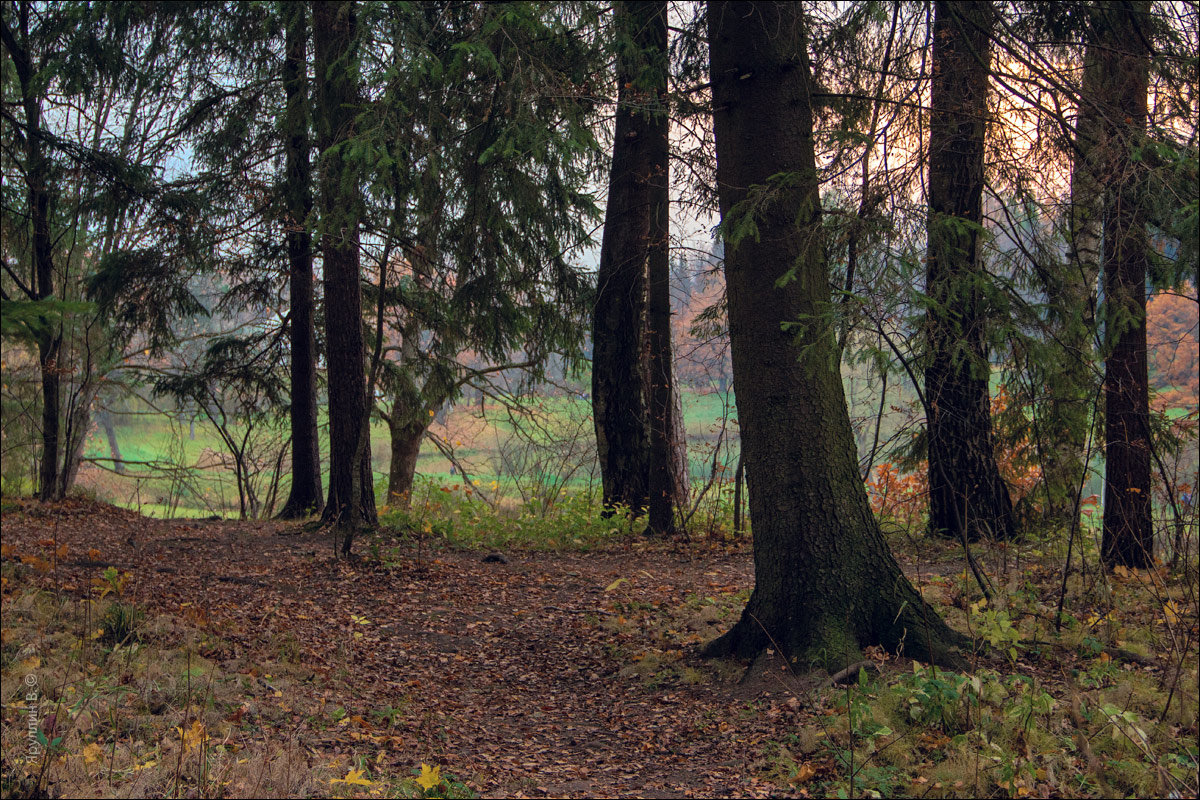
(903, 496)
(1172, 342)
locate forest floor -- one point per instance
(221, 658)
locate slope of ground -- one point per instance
(276, 669)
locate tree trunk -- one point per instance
(967, 496)
(1128, 538)
(407, 436)
(114, 450)
(680, 468)
(305, 497)
(38, 196)
(618, 393)
(351, 501)
(79, 420)
(826, 584)
(660, 394)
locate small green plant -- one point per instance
(935, 697)
(119, 623)
(995, 626)
(388, 715)
(1032, 701)
(111, 581)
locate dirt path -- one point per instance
(533, 677)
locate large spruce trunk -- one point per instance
(826, 584)
(1128, 538)
(663, 477)
(967, 496)
(305, 497)
(618, 391)
(351, 501)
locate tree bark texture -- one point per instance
(826, 584)
(967, 496)
(407, 432)
(305, 497)
(618, 391)
(1128, 538)
(662, 476)
(351, 500)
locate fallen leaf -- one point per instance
(430, 776)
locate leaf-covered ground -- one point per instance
(244, 659)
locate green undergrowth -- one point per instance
(454, 515)
(1104, 705)
(935, 733)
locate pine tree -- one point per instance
(618, 381)
(305, 496)
(826, 584)
(1128, 538)
(967, 496)
(351, 501)
(477, 169)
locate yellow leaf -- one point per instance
(1171, 611)
(430, 777)
(194, 736)
(355, 778)
(92, 753)
(615, 584)
(31, 663)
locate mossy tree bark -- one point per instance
(826, 584)
(967, 496)
(1128, 538)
